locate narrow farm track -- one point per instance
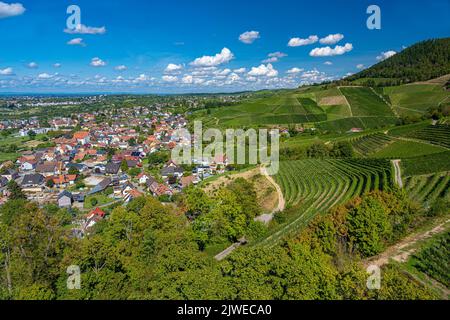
(281, 202)
(387, 102)
(348, 104)
(401, 251)
(398, 173)
(266, 218)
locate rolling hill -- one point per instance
(360, 101)
(422, 61)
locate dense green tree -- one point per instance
(15, 192)
(31, 134)
(124, 166)
(368, 226)
(73, 170)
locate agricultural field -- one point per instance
(365, 102)
(313, 186)
(434, 259)
(415, 99)
(428, 188)
(281, 108)
(371, 143)
(438, 134)
(345, 124)
(407, 149)
(427, 164)
(401, 131)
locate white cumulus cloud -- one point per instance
(332, 38)
(76, 42)
(297, 42)
(57, 65)
(360, 66)
(274, 57)
(10, 10)
(32, 65)
(263, 70)
(328, 51)
(249, 37)
(7, 71)
(294, 70)
(385, 55)
(169, 78)
(171, 67)
(45, 76)
(121, 67)
(97, 62)
(211, 61)
(142, 77)
(240, 70)
(328, 63)
(82, 29)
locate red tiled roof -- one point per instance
(80, 134)
(98, 212)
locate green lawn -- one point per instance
(101, 198)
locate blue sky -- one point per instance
(202, 46)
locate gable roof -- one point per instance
(46, 167)
(65, 193)
(97, 212)
(33, 179)
(80, 135)
(101, 186)
(112, 167)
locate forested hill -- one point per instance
(422, 61)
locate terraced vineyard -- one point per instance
(345, 124)
(427, 164)
(438, 134)
(428, 188)
(371, 143)
(364, 102)
(434, 259)
(315, 185)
